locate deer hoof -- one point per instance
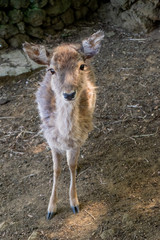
(50, 215)
(75, 209)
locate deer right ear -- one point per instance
(91, 45)
(37, 53)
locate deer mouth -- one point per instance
(69, 96)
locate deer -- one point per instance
(66, 101)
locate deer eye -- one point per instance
(51, 70)
(82, 67)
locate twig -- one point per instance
(134, 106)
(90, 215)
(37, 134)
(144, 135)
(136, 39)
(82, 172)
(120, 121)
(6, 117)
(21, 153)
(133, 140)
(30, 175)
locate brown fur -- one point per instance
(66, 124)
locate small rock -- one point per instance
(34, 236)
(107, 234)
(110, 34)
(21, 27)
(3, 225)
(2, 102)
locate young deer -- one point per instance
(66, 101)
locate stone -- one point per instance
(150, 10)
(3, 3)
(34, 236)
(34, 31)
(123, 4)
(110, 34)
(7, 31)
(81, 13)
(57, 7)
(93, 5)
(21, 27)
(3, 18)
(131, 15)
(38, 3)
(3, 225)
(107, 234)
(3, 44)
(78, 4)
(19, 3)
(35, 17)
(57, 24)
(47, 22)
(133, 22)
(15, 63)
(55, 20)
(18, 40)
(49, 30)
(15, 16)
(68, 17)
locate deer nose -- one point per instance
(69, 96)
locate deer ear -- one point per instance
(91, 45)
(37, 53)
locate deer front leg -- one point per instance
(52, 206)
(72, 157)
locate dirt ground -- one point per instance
(119, 166)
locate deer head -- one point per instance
(67, 65)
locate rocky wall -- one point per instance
(21, 20)
(133, 15)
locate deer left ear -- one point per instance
(37, 53)
(91, 45)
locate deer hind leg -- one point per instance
(52, 206)
(72, 157)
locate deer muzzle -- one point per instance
(69, 96)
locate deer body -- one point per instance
(65, 124)
(66, 101)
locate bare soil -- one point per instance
(119, 166)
